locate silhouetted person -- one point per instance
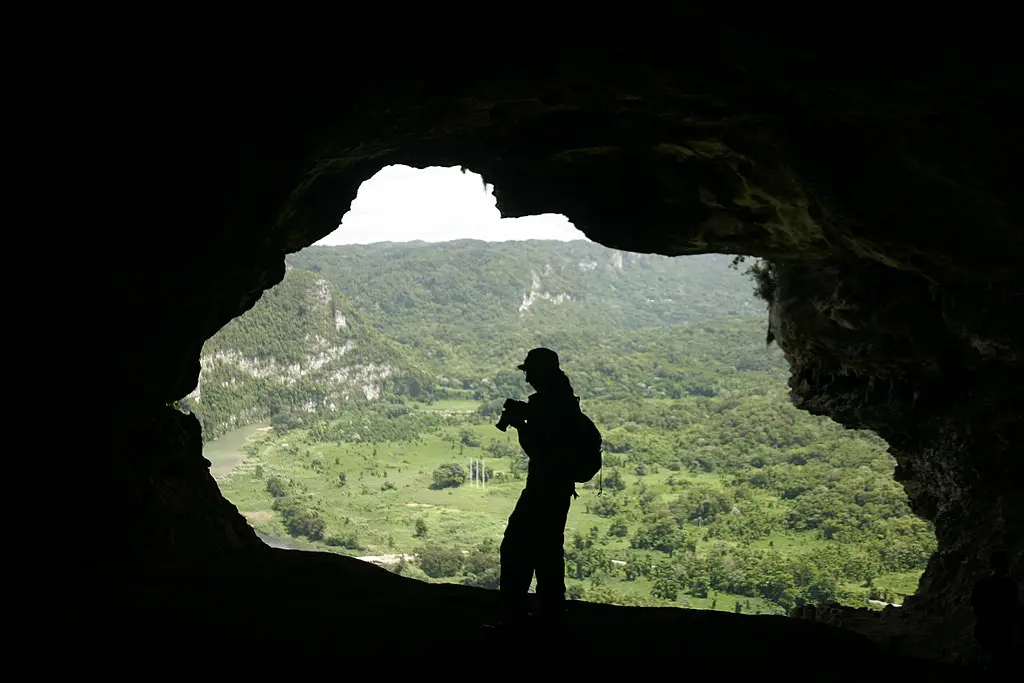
(997, 613)
(534, 536)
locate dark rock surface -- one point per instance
(875, 163)
(305, 615)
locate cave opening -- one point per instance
(351, 411)
(879, 183)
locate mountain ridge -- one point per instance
(438, 300)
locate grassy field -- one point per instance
(452, 406)
(385, 517)
(387, 488)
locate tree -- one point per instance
(276, 487)
(468, 438)
(606, 506)
(344, 538)
(449, 475)
(661, 532)
(613, 481)
(420, 528)
(299, 519)
(584, 558)
(633, 570)
(694, 575)
(519, 464)
(437, 562)
(483, 566)
(501, 449)
(665, 582)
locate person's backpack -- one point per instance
(585, 449)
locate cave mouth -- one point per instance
(326, 440)
(879, 186)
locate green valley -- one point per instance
(716, 492)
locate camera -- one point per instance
(513, 413)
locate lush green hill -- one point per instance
(302, 349)
(468, 308)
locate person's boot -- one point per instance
(510, 627)
(515, 618)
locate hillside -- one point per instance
(466, 308)
(302, 349)
(718, 492)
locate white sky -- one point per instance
(436, 204)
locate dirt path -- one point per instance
(386, 559)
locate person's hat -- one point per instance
(540, 359)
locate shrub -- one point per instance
(276, 487)
(437, 562)
(420, 528)
(449, 475)
(300, 520)
(345, 538)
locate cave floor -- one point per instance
(317, 614)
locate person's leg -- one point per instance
(986, 637)
(516, 561)
(551, 554)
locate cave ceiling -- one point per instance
(688, 130)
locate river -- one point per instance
(226, 452)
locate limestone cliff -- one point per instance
(302, 350)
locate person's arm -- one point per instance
(528, 440)
(532, 432)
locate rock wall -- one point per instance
(169, 506)
(875, 348)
